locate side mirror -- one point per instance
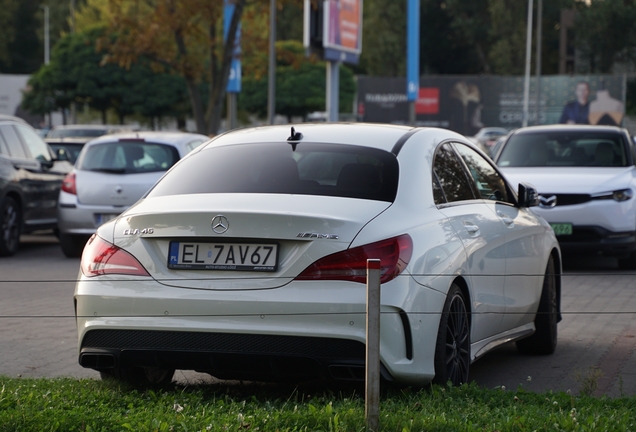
(527, 195)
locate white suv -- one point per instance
(586, 178)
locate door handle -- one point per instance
(506, 219)
(471, 228)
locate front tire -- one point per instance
(9, 227)
(544, 340)
(452, 350)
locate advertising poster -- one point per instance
(467, 103)
(343, 29)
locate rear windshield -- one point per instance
(565, 149)
(122, 157)
(282, 168)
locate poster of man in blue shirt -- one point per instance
(578, 111)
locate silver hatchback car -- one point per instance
(111, 173)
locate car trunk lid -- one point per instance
(301, 228)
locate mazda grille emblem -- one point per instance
(220, 224)
(547, 201)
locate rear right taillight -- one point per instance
(69, 184)
(101, 258)
(351, 264)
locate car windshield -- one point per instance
(128, 157)
(70, 150)
(72, 133)
(567, 148)
(284, 168)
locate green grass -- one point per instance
(92, 405)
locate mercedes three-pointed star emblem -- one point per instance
(220, 224)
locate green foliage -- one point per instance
(300, 85)
(77, 73)
(605, 33)
(90, 405)
(383, 39)
(7, 29)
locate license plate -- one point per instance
(101, 219)
(223, 256)
(562, 228)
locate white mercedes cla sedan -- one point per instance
(247, 260)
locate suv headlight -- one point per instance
(622, 195)
(617, 195)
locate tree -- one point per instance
(605, 33)
(184, 37)
(300, 85)
(383, 38)
(7, 29)
(76, 74)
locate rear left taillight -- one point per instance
(351, 265)
(101, 258)
(69, 184)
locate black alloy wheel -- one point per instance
(9, 227)
(452, 351)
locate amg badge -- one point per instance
(317, 235)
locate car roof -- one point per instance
(161, 137)
(569, 128)
(93, 126)
(382, 136)
(4, 117)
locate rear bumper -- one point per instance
(256, 334)
(228, 356)
(81, 219)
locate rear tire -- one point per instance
(139, 376)
(544, 340)
(452, 350)
(73, 245)
(10, 227)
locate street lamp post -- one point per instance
(47, 43)
(526, 87)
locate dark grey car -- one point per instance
(30, 181)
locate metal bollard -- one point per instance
(372, 382)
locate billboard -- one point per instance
(333, 29)
(466, 103)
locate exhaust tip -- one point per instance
(97, 361)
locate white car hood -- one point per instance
(573, 180)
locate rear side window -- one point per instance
(282, 168)
(13, 141)
(37, 147)
(450, 182)
(128, 157)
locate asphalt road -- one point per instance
(597, 337)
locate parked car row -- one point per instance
(40, 189)
(246, 257)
